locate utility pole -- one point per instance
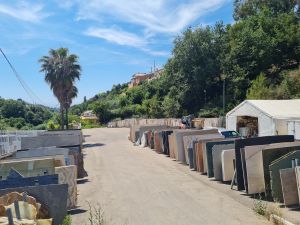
(224, 96)
(204, 97)
(154, 66)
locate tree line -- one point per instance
(256, 57)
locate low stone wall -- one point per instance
(172, 122)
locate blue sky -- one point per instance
(113, 38)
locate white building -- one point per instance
(263, 117)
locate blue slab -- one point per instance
(29, 181)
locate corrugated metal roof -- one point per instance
(280, 109)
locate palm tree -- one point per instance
(61, 71)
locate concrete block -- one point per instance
(53, 196)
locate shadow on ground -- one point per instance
(76, 211)
(82, 181)
(93, 145)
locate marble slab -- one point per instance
(166, 148)
(255, 165)
(187, 141)
(283, 162)
(53, 196)
(67, 175)
(241, 143)
(28, 167)
(217, 161)
(227, 158)
(289, 186)
(208, 154)
(297, 172)
(28, 181)
(178, 138)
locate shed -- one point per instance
(263, 117)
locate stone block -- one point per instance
(53, 196)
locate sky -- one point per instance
(113, 38)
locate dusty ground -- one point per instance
(136, 186)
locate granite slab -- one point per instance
(241, 143)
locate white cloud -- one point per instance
(160, 16)
(24, 11)
(117, 36)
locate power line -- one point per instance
(27, 89)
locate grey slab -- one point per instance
(289, 186)
(254, 164)
(54, 196)
(44, 151)
(217, 160)
(208, 155)
(228, 157)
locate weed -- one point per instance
(67, 220)
(96, 215)
(260, 207)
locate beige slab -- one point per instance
(289, 186)
(254, 165)
(68, 175)
(227, 158)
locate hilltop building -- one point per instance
(137, 78)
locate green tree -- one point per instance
(61, 71)
(13, 108)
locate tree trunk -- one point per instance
(67, 118)
(62, 121)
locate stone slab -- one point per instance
(68, 175)
(178, 139)
(297, 172)
(228, 157)
(45, 151)
(254, 172)
(28, 168)
(208, 156)
(241, 143)
(29, 181)
(53, 196)
(166, 148)
(217, 161)
(188, 140)
(283, 162)
(62, 140)
(289, 186)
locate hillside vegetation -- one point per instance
(17, 114)
(257, 57)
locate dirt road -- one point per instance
(136, 186)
